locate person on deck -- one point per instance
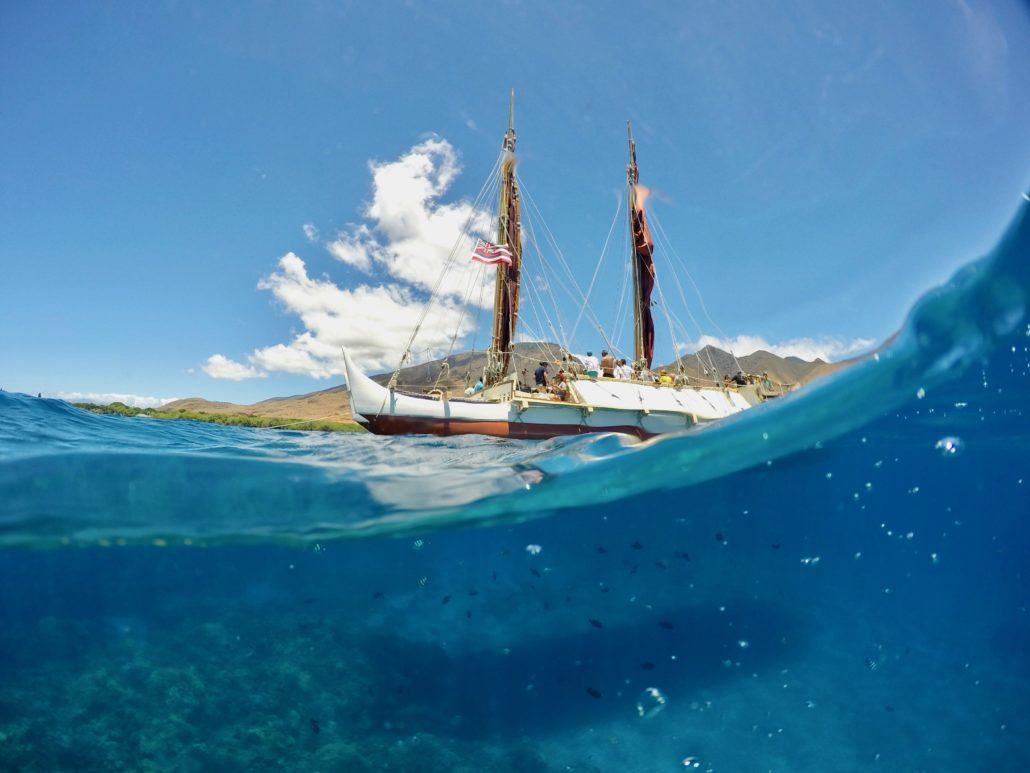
(590, 365)
(664, 378)
(478, 387)
(540, 377)
(607, 365)
(561, 385)
(623, 371)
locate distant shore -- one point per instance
(235, 419)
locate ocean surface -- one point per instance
(838, 581)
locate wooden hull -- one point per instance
(412, 425)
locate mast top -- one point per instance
(632, 173)
(509, 137)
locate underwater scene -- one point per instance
(834, 581)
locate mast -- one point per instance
(506, 285)
(643, 263)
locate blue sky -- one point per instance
(817, 166)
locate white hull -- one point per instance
(602, 405)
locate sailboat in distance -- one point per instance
(574, 400)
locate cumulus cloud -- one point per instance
(826, 348)
(374, 322)
(106, 398)
(411, 233)
(220, 366)
(310, 232)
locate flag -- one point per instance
(491, 254)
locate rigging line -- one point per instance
(700, 297)
(667, 247)
(462, 235)
(597, 268)
(561, 259)
(555, 281)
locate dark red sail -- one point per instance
(643, 250)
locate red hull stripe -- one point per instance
(409, 425)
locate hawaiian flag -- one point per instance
(491, 254)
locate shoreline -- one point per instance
(235, 419)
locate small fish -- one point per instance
(493, 576)
(473, 592)
(535, 572)
(666, 625)
(378, 594)
(661, 564)
(637, 546)
(593, 693)
(719, 537)
(633, 569)
(314, 727)
(776, 546)
(605, 589)
(647, 665)
(601, 550)
(596, 623)
(889, 707)
(870, 664)
(682, 554)
(468, 614)
(445, 600)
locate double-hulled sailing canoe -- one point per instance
(506, 408)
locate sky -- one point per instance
(202, 198)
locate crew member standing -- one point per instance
(607, 365)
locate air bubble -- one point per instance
(650, 702)
(949, 446)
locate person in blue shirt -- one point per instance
(478, 387)
(540, 377)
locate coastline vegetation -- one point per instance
(232, 419)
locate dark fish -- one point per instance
(493, 576)
(889, 707)
(473, 592)
(633, 569)
(601, 550)
(468, 614)
(593, 693)
(719, 537)
(666, 625)
(314, 727)
(310, 600)
(647, 665)
(535, 572)
(445, 600)
(637, 546)
(504, 552)
(605, 589)
(377, 595)
(596, 623)
(661, 564)
(369, 690)
(682, 554)
(776, 546)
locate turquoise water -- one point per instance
(836, 581)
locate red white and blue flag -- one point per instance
(491, 254)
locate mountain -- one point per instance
(331, 404)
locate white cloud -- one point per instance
(373, 322)
(310, 232)
(220, 366)
(825, 348)
(105, 398)
(411, 233)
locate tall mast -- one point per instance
(506, 286)
(643, 264)
(632, 176)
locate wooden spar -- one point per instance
(506, 285)
(632, 176)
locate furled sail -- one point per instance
(643, 263)
(506, 289)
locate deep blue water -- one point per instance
(837, 581)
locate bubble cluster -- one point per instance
(949, 446)
(650, 702)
